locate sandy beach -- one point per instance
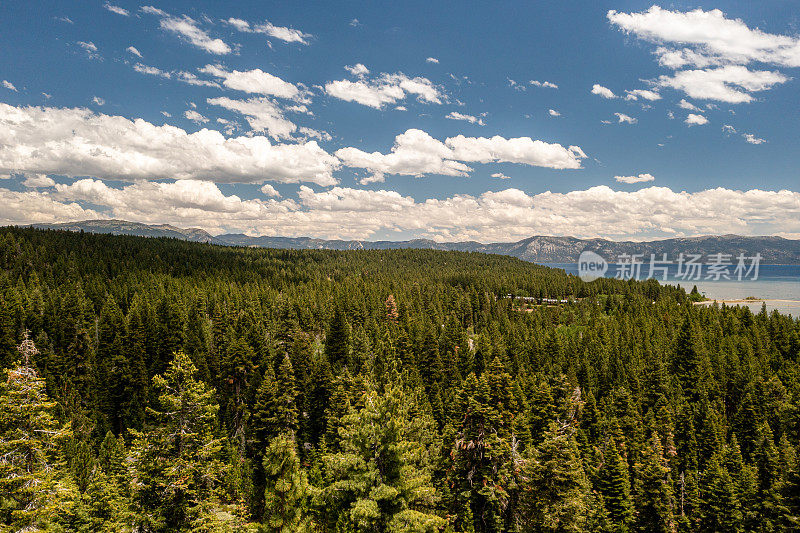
(748, 301)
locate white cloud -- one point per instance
(78, 142)
(33, 206)
(727, 128)
(195, 117)
(731, 83)
(152, 71)
(191, 79)
(714, 37)
(99, 101)
(544, 84)
(359, 69)
(401, 108)
(90, 48)
(522, 150)
(133, 50)
(641, 178)
(695, 119)
(718, 48)
(605, 92)
(683, 104)
(254, 81)
(269, 190)
(432, 60)
(8, 85)
(187, 28)
(289, 35)
(116, 9)
(310, 133)
(642, 93)
(341, 212)
(752, 139)
(500, 175)
(35, 181)
(455, 115)
(383, 90)
(554, 113)
(416, 153)
(354, 23)
(262, 114)
(623, 118)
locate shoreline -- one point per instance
(747, 301)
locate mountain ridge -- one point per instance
(538, 248)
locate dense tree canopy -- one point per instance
(161, 385)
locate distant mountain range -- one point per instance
(539, 249)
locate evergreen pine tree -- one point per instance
(287, 491)
(555, 489)
(176, 467)
(29, 435)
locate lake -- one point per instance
(777, 282)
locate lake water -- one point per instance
(778, 282)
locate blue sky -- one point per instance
(394, 120)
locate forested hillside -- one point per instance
(163, 385)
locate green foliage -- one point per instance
(29, 438)
(380, 391)
(176, 467)
(381, 479)
(287, 492)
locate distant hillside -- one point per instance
(539, 249)
(122, 227)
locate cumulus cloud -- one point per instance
(116, 9)
(641, 178)
(710, 36)
(262, 114)
(731, 83)
(544, 84)
(133, 50)
(715, 50)
(623, 118)
(180, 75)
(195, 117)
(254, 81)
(605, 92)
(683, 104)
(289, 35)
(269, 190)
(343, 212)
(35, 181)
(384, 89)
(152, 71)
(644, 94)
(554, 113)
(416, 153)
(359, 69)
(90, 48)
(455, 115)
(33, 206)
(694, 119)
(188, 29)
(99, 101)
(8, 85)
(78, 142)
(501, 176)
(752, 139)
(432, 60)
